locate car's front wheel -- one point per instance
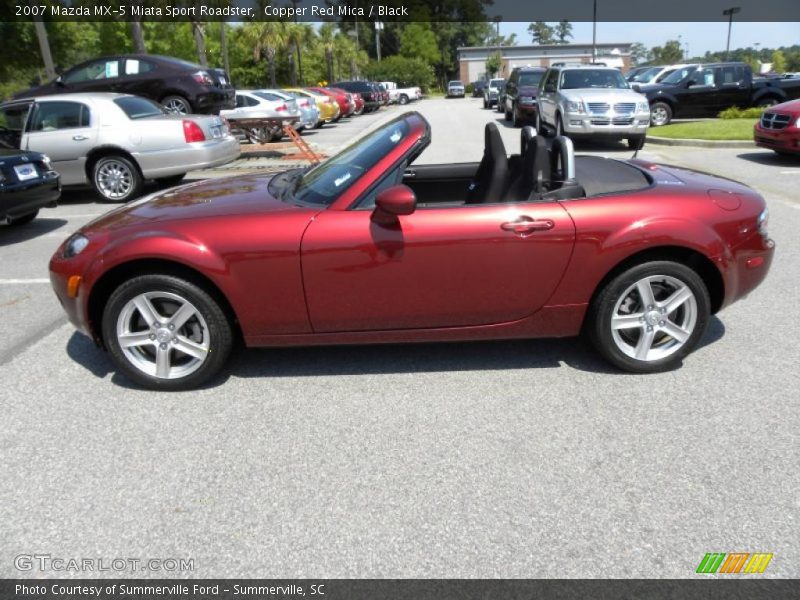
(116, 178)
(650, 317)
(660, 114)
(403, 100)
(166, 333)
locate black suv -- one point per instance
(182, 87)
(368, 90)
(520, 96)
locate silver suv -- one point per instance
(455, 89)
(592, 101)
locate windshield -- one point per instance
(455, 83)
(496, 83)
(678, 75)
(139, 108)
(327, 181)
(530, 79)
(645, 75)
(592, 78)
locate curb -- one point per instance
(660, 141)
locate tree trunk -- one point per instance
(223, 44)
(138, 37)
(352, 68)
(329, 63)
(44, 47)
(271, 61)
(292, 72)
(200, 43)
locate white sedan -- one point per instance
(259, 104)
(115, 142)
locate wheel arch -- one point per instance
(106, 284)
(99, 152)
(697, 261)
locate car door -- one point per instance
(66, 132)
(140, 77)
(438, 267)
(732, 87)
(700, 97)
(13, 118)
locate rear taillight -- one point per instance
(203, 78)
(192, 132)
(281, 108)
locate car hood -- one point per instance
(654, 88)
(601, 95)
(203, 200)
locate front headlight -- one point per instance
(643, 107)
(576, 106)
(75, 245)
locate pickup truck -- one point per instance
(401, 95)
(703, 90)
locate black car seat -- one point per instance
(534, 177)
(492, 177)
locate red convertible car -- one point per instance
(366, 247)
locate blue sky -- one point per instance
(699, 36)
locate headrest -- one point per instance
(526, 135)
(562, 159)
(494, 143)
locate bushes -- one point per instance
(734, 112)
(402, 70)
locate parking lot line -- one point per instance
(23, 281)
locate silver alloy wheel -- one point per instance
(176, 106)
(654, 318)
(658, 116)
(114, 179)
(163, 335)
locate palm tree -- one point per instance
(327, 40)
(266, 38)
(297, 36)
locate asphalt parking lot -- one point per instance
(520, 459)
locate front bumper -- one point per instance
(783, 140)
(455, 92)
(606, 125)
(197, 155)
(20, 199)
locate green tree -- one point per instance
(778, 61)
(563, 31)
(541, 33)
(669, 53)
(417, 40)
(639, 54)
(493, 62)
(327, 43)
(403, 70)
(266, 38)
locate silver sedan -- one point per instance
(115, 142)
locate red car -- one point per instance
(779, 128)
(342, 97)
(367, 248)
(358, 101)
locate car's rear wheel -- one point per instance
(177, 105)
(403, 99)
(24, 219)
(660, 114)
(166, 333)
(767, 102)
(650, 317)
(116, 178)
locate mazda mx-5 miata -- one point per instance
(366, 247)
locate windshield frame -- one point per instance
(672, 80)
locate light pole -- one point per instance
(378, 27)
(594, 31)
(296, 45)
(729, 12)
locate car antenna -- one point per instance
(638, 147)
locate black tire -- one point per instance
(219, 331)
(599, 320)
(24, 219)
(403, 99)
(767, 102)
(171, 181)
(319, 124)
(537, 124)
(634, 141)
(515, 120)
(177, 105)
(129, 177)
(485, 103)
(506, 114)
(660, 114)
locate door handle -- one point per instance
(80, 138)
(526, 225)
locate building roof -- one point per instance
(534, 47)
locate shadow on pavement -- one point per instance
(14, 234)
(768, 157)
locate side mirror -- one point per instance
(393, 202)
(59, 81)
(635, 87)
